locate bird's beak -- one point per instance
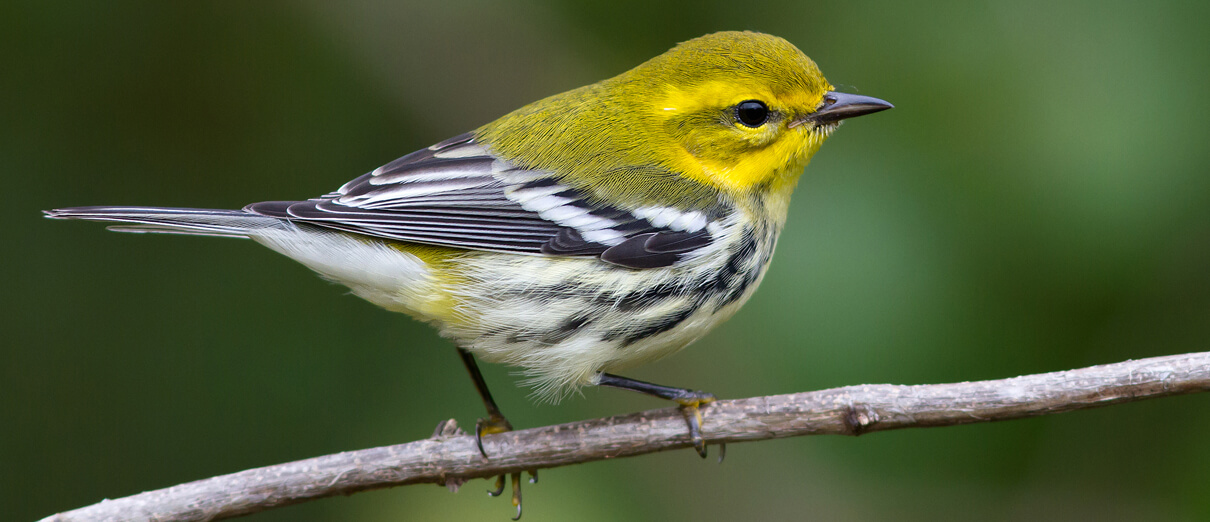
(838, 106)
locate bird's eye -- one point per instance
(752, 113)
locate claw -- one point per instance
(494, 423)
(499, 487)
(691, 409)
(488, 426)
(479, 437)
(498, 424)
(516, 493)
(694, 416)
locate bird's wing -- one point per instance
(456, 194)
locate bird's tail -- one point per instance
(165, 220)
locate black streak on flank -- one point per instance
(565, 330)
(749, 279)
(659, 326)
(729, 280)
(574, 323)
(644, 298)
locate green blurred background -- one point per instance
(1039, 200)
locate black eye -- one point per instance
(752, 113)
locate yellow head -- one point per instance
(732, 113)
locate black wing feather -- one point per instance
(457, 194)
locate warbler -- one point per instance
(580, 235)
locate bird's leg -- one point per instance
(494, 423)
(691, 402)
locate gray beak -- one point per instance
(838, 106)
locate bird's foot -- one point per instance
(691, 402)
(498, 424)
(516, 480)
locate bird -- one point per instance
(578, 236)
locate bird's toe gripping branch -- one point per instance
(493, 424)
(691, 407)
(498, 424)
(691, 402)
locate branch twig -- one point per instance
(852, 410)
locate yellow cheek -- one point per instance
(774, 165)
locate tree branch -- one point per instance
(851, 410)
